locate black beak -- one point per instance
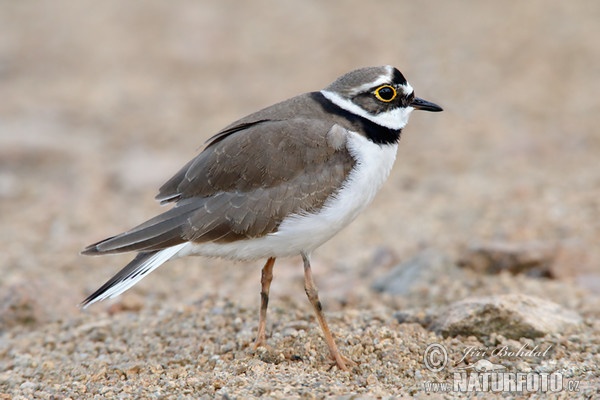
(420, 104)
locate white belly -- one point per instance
(304, 233)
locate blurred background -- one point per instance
(101, 102)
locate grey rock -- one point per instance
(529, 258)
(19, 305)
(423, 317)
(512, 316)
(420, 271)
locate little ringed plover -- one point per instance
(277, 183)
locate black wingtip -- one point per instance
(92, 297)
(83, 305)
(127, 272)
(89, 300)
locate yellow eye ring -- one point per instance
(385, 93)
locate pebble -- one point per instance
(28, 385)
(512, 315)
(530, 258)
(419, 271)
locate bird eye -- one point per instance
(385, 93)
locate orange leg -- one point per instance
(313, 296)
(265, 281)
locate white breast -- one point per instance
(304, 233)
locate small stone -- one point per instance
(513, 316)
(415, 316)
(28, 385)
(372, 380)
(289, 332)
(132, 302)
(300, 325)
(19, 305)
(133, 370)
(532, 258)
(419, 271)
(522, 366)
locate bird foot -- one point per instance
(261, 343)
(343, 363)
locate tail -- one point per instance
(132, 273)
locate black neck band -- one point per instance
(376, 133)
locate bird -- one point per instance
(277, 183)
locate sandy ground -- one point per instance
(101, 102)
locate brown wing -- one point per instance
(243, 185)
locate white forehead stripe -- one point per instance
(407, 88)
(393, 119)
(362, 88)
